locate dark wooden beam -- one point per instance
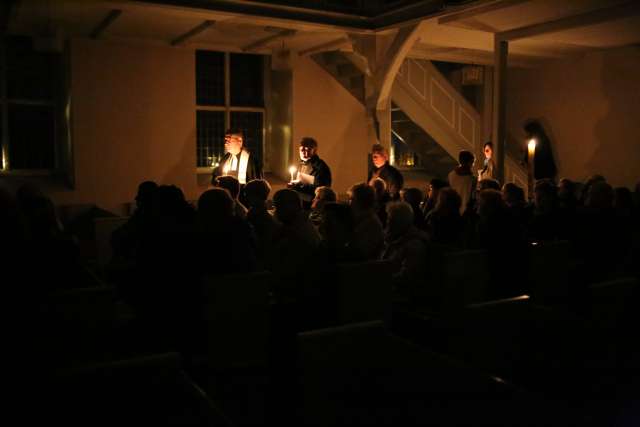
(263, 42)
(332, 45)
(192, 32)
(501, 53)
(102, 26)
(479, 10)
(594, 17)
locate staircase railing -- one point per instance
(432, 102)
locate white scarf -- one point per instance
(242, 169)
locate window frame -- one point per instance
(5, 102)
(228, 109)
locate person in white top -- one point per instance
(462, 179)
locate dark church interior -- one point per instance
(240, 253)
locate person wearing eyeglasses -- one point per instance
(237, 161)
(489, 166)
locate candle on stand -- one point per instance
(531, 149)
(531, 146)
(292, 171)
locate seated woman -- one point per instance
(323, 195)
(406, 248)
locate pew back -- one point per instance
(363, 291)
(237, 314)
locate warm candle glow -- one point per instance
(292, 171)
(225, 170)
(532, 146)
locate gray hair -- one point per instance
(400, 215)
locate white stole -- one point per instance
(242, 168)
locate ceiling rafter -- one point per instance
(593, 17)
(266, 40)
(330, 45)
(199, 29)
(99, 30)
(472, 12)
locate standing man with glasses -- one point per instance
(237, 161)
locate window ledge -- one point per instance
(27, 172)
(204, 171)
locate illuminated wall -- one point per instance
(590, 106)
(326, 111)
(133, 119)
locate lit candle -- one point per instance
(225, 169)
(532, 147)
(292, 171)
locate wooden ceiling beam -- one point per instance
(479, 10)
(264, 41)
(594, 17)
(331, 45)
(181, 39)
(105, 23)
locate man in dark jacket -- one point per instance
(313, 172)
(383, 170)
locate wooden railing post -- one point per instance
(501, 52)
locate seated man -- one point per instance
(407, 248)
(382, 169)
(264, 225)
(368, 234)
(324, 195)
(295, 245)
(237, 161)
(312, 173)
(232, 185)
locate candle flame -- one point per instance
(292, 170)
(225, 170)
(532, 145)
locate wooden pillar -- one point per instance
(487, 104)
(501, 52)
(384, 125)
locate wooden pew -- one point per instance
(465, 277)
(76, 324)
(359, 374)
(549, 269)
(363, 291)
(610, 303)
(237, 315)
(149, 390)
(104, 228)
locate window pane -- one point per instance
(251, 123)
(210, 144)
(209, 78)
(246, 80)
(30, 75)
(31, 137)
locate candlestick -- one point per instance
(531, 149)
